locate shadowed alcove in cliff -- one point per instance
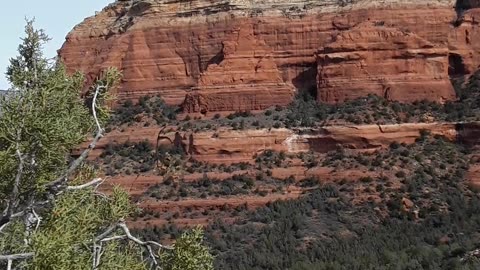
(467, 133)
(306, 81)
(322, 145)
(456, 67)
(461, 5)
(217, 59)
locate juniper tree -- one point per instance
(53, 216)
(30, 66)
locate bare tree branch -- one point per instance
(121, 225)
(16, 185)
(97, 255)
(102, 238)
(19, 256)
(94, 107)
(13, 201)
(106, 233)
(147, 244)
(113, 238)
(95, 182)
(64, 177)
(4, 226)
(97, 248)
(23, 212)
(37, 218)
(124, 227)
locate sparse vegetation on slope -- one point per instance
(128, 158)
(146, 109)
(421, 215)
(305, 111)
(408, 208)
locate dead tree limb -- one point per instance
(19, 256)
(95, 182)
(76, 163)
(13, 200)
(105, 237)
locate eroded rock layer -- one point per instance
(230, 146)
(392, 63)
(252, 54)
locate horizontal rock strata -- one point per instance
(252, 54)
(230, 146)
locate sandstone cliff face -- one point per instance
(386, 61)
(464, 43)
(252, 54)
(243, 76)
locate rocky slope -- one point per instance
(252, 54)
(231, 146)
(312, 170)
(225, 157)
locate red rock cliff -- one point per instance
(251, 54)
(386, 61)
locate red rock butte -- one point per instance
(241, 55)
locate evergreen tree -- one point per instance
(53, 217)
(30, 66)
(189, 253)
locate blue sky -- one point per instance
(57, 17)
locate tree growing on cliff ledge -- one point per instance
(53, 216)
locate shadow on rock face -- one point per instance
(462, 5)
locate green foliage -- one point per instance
(43, 123)
(270, 159)
(338, 239)
(467, 107)
(153, 107)
(137, 156)
(41, 120)
(64, 239)
(306, 111)
(107, 81)
(29, 69)
(189, 253)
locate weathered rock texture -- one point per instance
(386, 61)
(230, 146)
(243, 76)
(464, 43)
(251, 54)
